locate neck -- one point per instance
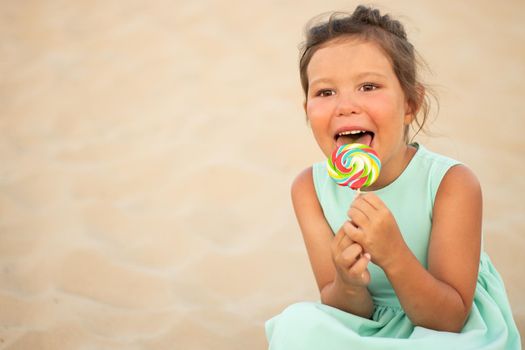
(394, 167)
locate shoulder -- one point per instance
(303, 185)
(305, 199)
(459, 198)
(459, 180)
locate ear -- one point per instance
(412, 107)
(409, 115)
(305, 102)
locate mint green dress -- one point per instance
(315, 326)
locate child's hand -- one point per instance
(373, 226)
(350, 262)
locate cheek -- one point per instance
(386, 108)
(319, 110)
(314, 115)
(317, 113)
(312, 109)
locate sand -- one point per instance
(147, 150)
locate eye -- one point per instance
(368, 87)
(325, 92)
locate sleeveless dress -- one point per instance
(315, 326)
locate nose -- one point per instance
(347, 105)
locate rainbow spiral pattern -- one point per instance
(354, 165)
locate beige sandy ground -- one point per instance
(147, 149)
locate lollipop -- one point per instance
(354, 165)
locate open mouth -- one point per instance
(364, 137)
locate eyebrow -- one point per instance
(365, 74)
(358, 76)
(319, 80)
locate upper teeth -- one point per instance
(351, 132)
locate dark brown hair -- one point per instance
(368, 24)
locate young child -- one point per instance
(399, 266)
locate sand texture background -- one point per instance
(147, 150)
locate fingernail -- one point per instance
(368, 256)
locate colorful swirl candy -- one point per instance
(354, 165)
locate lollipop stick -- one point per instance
(357, 194)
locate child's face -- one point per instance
(352, 87)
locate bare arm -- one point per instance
(341, 277)
(441, 297)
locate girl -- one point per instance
(399, 266)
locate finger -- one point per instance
(358, 217)
(357, 270)
(351, 254)
(336, 241)
(373, 200)
(366, 204)
(345, 242)
(340, 242)
(353, 232)
(373, 205)
(348, 226)
(339, 237)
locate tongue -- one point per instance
(365, 139)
